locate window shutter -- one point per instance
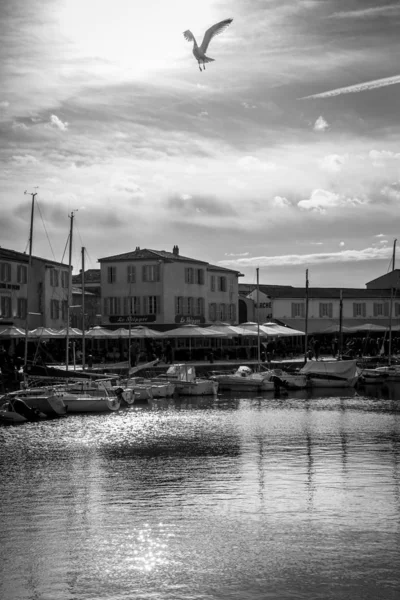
(293, 313)
(364, 310)
(144, 273)
(330, 310)
(126, 305)
(375, 309)
(354, 310)
(157, 273)
(321, 312)
(105, 306)
(386, 309)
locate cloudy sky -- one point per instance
(282, 155)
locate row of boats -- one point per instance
(107, 393)
(110, 393)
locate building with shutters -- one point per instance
(166, 289)
(34, 295)
(288, 305)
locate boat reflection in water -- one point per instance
(228, 496)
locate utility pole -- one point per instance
(69, 290)
(306, 321)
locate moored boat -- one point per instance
(188, 384)
(331, 374)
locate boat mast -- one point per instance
(28, 278)
(69, 289)
(390, 326)
(340, 325)
(83, 308)
(394, 255)
(306, 321)
(258, 318)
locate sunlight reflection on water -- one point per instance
(232, 497)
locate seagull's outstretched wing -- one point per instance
(214, 30)
(188, 35)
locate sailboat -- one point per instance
(329, 373)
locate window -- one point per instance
(54, 277)
(396, 309)
(325, 310)
(54, 308)
(200, 276)
(151, 273)
(222, 284)
(359, 309)
(381, 309)
(64, 310)
(5, 306)
(131, 274)
(189, 275)
(22, 274)
(5, 272)
(232, 312)
(200, 307)
(21, 308)
(298, 310)
(132, 305)
(64, 278)
(178, 305)
(190, 306)
(112, 306)
(212, 283)
(221, 312)
(212, 311)
(111, 274)
(152, 305)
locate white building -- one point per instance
(166, 289)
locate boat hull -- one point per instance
(91, 404)
(204, 387)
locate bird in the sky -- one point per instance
(200, 51)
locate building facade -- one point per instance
(325, 305)
(166, 289)
(34, 295)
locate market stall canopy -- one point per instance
(189, 330)
(12, 332)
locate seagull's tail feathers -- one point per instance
(207, 59)
(188, 35)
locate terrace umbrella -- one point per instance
(189, 330)
(12, 332)
(335, 329)
(274, 329)
(371, 327)
(141, 331)
(99, 333)
(43, 333)
(73, 332)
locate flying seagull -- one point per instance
(200, 52)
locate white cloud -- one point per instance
(321, 200)
(203, 113)
(342, 244)
(248, 105)
(240, 254)
(19, 126)
(26, 159)
(320, 124)
(332, 162)
(56, 122)
(344, 256)
(280, 202)
(4, 104)
(252, 163)
(380, 158)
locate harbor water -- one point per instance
(233, 497)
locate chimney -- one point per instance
(175, 250)
(137, 248)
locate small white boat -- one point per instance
(77, 403)
(187, 384)
(331, 373)
(146, 389)
(380, 374)
(291, 381)
(244, 379)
